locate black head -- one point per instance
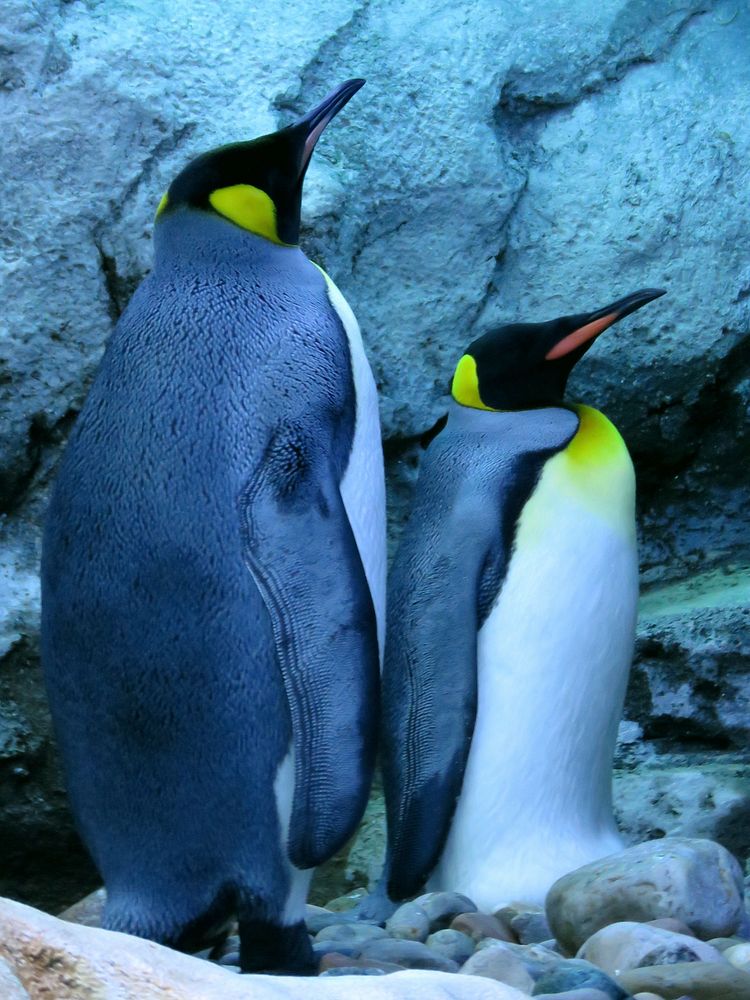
(258, 184)
(527, 365)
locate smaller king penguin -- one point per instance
(511, 623)
(213, 571)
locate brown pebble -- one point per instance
(482, 925)
(334, 960)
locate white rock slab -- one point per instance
(53, 958)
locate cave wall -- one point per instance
(506, 161)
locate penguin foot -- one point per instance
(276, 949)
(377, 907)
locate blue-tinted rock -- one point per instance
(531, 927)
(356, 934)
(442, 907)
(353, 970)
(410, 954)
(451, 944)
(409, 922)
(575, 974)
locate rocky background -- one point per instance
(507, 160)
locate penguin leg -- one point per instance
(271, 947)
(300, 548)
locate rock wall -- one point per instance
(507, 160)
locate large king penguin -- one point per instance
(213, 568)
(511, 621)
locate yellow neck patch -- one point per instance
(465, 387)
(596, 467)
(249, 207)
(162, 205)
(594, 473)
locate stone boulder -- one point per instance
(42, 956)
(628, 945)
(694, 980)
(695, 881)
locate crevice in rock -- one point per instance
(316, 73)
(113, 282)
(169, 144)
(711, 414)
(42, 438)
(604, 70)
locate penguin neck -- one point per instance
(200, 241)
(467, 418)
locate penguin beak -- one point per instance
(596, 322)
(312, 125)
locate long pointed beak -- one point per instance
(315, 121)
(598, 321)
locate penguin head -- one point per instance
(526, 365)
(257, 185)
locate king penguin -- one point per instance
(511, 622)
(214, 569)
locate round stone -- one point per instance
(409, 922)
(530, 927)
(442, 907)
(695, 881)
(502, 965)
(353, 970)
(629, 945)
(351, 934)
(738, 955)
(451, 944)
(699, 980)
(347, 902)
(337, 960)
(572, 974)
(481, 925)
(410, 954)
(587, 993)
(231, 958)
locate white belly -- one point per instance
(363, 485)
(553, 661)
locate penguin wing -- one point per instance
(430, 681)
(445, 578)
(301, 550)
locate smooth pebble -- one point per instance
(451, 944)
(410, 954)
(442, 907)
(410, 923)
(502, 965)
(481, 925)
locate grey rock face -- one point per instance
(695, 881)
(508, 160)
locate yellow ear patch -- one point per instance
(465, 387)
(162, 205)
(249, 207)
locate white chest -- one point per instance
(363, 485)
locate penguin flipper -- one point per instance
(430, 704)
(300, 548)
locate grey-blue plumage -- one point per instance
(206, 615)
